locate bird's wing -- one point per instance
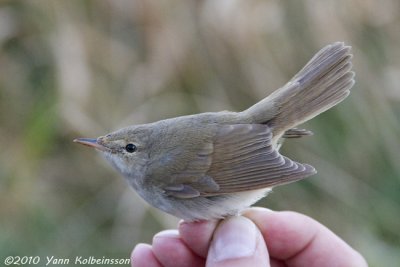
(241, 157)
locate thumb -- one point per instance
(237, 242)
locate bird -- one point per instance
(216, 164)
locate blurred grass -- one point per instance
(84, 68)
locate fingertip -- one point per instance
(359, 259)
(143, 256)
(237, 242)
(170, 250)
(173, 233)
(140, 250)
(257, 210)
(197, 235)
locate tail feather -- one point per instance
(323, 82)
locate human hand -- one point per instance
(259, 237)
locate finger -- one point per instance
(300, 240)
(171, 251)
(277, 263)
(237, 242)
(286, 233)
(143, 256)
(197, 235)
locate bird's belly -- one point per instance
(203, 208)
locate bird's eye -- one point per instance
(130, 148)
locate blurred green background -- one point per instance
(84, 68)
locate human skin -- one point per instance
(260, 237)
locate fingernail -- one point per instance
(258, 209)
(168, 233)
(261, 209)
(234, 238)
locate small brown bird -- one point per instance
(212, 165)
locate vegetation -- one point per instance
(84, 68)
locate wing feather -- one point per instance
(245, 159)
(240, 157)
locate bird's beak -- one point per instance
(92, 142)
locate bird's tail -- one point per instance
(323, 82)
